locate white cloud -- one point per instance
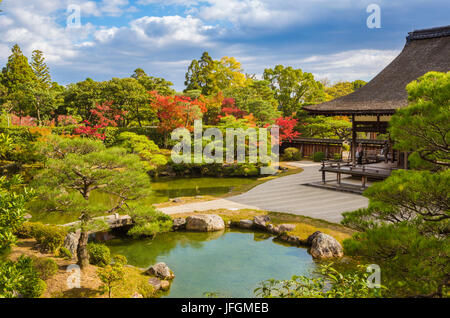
(348, 65)
(169, 29)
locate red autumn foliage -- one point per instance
(176, 111)
(23, 120)
(287, 125)
(229, 109)
(103, 115)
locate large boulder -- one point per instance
(179, 224)
(310, 238)
(325, 246)
(161, 270)
(205, 223)
(71, 242)
(261, 221)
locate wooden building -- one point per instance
(371, 106)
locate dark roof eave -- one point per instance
(339, 112)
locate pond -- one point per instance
(163, 189)
(229, 264)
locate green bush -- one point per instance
(64, 253)
(49, 237)
(149, 222)
(20, 279)
(292, 154)
(25, 231)
(120, 259)
(99, 254)
(45, 267)
(337, 156)
(318, 156)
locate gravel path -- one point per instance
(286, 194)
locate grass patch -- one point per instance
(135, 281)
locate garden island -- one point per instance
(95, 203)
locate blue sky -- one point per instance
(328, 38)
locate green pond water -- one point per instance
(230, 263)
(163, 189)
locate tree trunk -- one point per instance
(82, 253)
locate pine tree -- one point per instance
(40, 69)
(17, 71)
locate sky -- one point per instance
(329, 38)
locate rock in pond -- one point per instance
(158, 284)
(261, 221)
(161, 270)
(245, 224)
(325, 246)
(155, 282)
(179, 224)
(310, 238)
(205, 223)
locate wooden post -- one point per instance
(405, 160)
(353, 140)
(323, 172)
(339, 174)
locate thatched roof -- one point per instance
(425, 50)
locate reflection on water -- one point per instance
(230, 263)
(163, 189)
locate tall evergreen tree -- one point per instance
(17, 71)
(40, 69)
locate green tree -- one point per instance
(75, 168)
(211, 76)
(40, 68)
(293, 87)
(111, 276)
(330, 284)
(12, 208)
(151, 83)
(129, 95)
(17, 71)
(423, 127)
(80, 98)
(326, 127)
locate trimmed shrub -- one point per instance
(99, 254)
(45, 267)
(120, 259)
(292, 154)
(318, 156)
(337, 156)
(49, 237)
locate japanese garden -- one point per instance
(95, 204)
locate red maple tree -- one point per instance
(102, 116)
(176, 111)
(287, 125)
